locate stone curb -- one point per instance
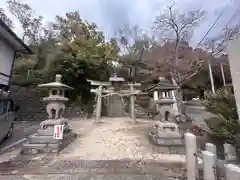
(12, 145)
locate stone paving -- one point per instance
(85, 177)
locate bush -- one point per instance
(225, 127)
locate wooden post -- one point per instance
(99, 103)
(191, 159)
(132, 101)
(209, 165)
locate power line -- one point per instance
(237, 13)
(220, 15)
(234, 16)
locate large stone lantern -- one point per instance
(44, 138)
(55, 101)
(166, 133)
(164, 101)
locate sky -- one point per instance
(111, 14)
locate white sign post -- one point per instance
(58, 132)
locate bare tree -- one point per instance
(177, 28)
(134, 43)
(5, 18)
(31, 24)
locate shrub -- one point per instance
(225, 127)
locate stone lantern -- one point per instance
(55, 102)
(44, 139)
(164, 102)
(166, 133)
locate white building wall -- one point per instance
(234, 55)
(6, 60)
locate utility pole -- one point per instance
(210, 67)
(223, 76)
(211, 76)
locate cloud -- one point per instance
(110, 14)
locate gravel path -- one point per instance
(115, 149)
(115, 138)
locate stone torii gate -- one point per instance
(114, 87)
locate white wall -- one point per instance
(6, 58)
(234, 54)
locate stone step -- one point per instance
(39, 146)
(195, 109)
(87, 177)
(41, 132)
(116, 169)
(34, 146)
(29, 148)
(34, 139)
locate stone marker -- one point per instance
(232, 172)
(209, 165)
(230, 152)
(191, 159)
(211, 148)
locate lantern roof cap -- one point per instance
(56, 84)
(116, 79)
(162, 85)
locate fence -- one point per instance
(208, 162)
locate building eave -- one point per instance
(25, 49)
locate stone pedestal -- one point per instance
(167, 136)
(43, 141)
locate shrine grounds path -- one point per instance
(113, 149)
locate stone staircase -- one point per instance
(41, 142)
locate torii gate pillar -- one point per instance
(99, 103)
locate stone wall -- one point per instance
(31, 106)
(29, 100)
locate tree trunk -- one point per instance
(178, 98)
